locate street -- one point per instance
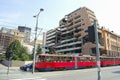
(108, 73)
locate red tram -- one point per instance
(109, 61)
(53, 62)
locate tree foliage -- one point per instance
(20, 52)
(52, 50)
(2, 57)
(39, 49)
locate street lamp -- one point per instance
(97, 50)
(34, 55)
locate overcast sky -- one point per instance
(14, 13)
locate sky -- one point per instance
(15, 13)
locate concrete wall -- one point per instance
(6, 63)
(15, 63)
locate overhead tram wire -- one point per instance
(7, 26)
(10, 23)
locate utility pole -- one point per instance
(97, 50)
(10, 55)
(36, 28)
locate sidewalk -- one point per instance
(20, 76)
(2, 66)
(15, 68)
(16, 74)
(5, 67)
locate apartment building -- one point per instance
(5, 40)
(18, 35)
(74, 30)
(70, 35)
(111, 43)
(8, 35)
(51, 37)
(27, 33)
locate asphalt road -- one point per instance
(108, 73)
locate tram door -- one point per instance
(76, 63)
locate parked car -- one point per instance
(27, 67)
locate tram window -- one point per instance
(78, 58)
(69, 59)
(63, 59)
(38, 58)
(104, 59)
(42, 58)
(48, 58)
(56, 58)
(81, 59)
(94, 59)
(101, 59)
(118, 59)
(108, 59)
(90, 59)
(87, 59)
(112, 59)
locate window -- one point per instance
(42, 58)
(57, 59)
(78, 16)
(63, 59)
(83, 24)
(77, 21)
(49, 58)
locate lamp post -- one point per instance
(36, 28)
(97, 50)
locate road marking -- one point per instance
(29, 79)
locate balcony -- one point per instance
(63, 29)
(77, 25)
(50, 34)
(50, 37)
(50, 41)
(77, 34)
(50, 44)
(69, 44)
(67, 32)
(69, 49)
(63, 41)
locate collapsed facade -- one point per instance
(72, 35)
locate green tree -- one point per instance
(15, 47)
(2, 57)
(24, 54)
(60, 53)
(39, 49)
(20, 52)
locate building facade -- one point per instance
(70, 35)
(111, 43)
(73, 36)
(18, 35)
(9, 35)
(51, 37)
(27, 33)
(5, 40)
